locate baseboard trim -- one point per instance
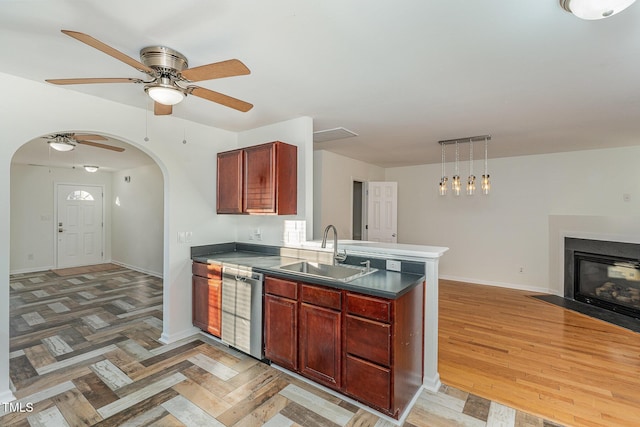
(171, 338)
(7, 396)
(31, 270)
(515, 286)
(135, 268)
(432, 384)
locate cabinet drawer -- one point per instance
(281, 288)
(212, 271)
(369, 307)
(369, 339)
(368, 382)
(322, 297)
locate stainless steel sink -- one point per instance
(342, 272)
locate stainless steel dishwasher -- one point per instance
(242, 309)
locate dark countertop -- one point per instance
(382, 283)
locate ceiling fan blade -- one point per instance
(220, 98)
(97, 44)
(89, 136)
(91, 81)
(98, 145)
(161, 109)
(218, 70)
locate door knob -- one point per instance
(393, 235)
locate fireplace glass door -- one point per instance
(609, 282)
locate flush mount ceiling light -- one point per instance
(61, 143)
(595, 9)
(471, 181)
(91, 169)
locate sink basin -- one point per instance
(341, 272)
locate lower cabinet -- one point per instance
(281, 322)
(206, 297)
(366, 347)
(320, 334)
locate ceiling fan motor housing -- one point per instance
(164, 59)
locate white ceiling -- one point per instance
(401, 74)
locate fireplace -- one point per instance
(604, 274)
(609, 282)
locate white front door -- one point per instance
(79, 225)
(382, 215)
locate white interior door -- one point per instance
(79, 221)
(382, 211)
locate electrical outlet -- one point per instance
(394, 265)
(521, 270)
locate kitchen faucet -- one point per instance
(336, 255)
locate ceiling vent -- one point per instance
(332, 134)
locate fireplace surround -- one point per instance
(604, 274)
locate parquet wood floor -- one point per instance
(506, 346)
(85, 351)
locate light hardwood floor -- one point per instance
(506, 346)
(85, 351)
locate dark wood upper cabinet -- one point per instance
(229, 194)
(262, 179)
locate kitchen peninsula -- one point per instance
(371, 336)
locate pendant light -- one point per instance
(455, 182)
(471, 181)
(456, 185)
(443, 179)
(486, 182)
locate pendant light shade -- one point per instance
(595, 9)
(486, 182)
(471, 181)
(455, 183)
(443, 178)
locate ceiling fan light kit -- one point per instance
(68, 141)
(170, 75)
(165, 95)
(595, 9)
(61, 144)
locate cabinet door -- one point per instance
(320, 350)
(229, 180)
(281, 331)
(260, 179)
(206, 299)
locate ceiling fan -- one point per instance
(68, 141)
(170, 75)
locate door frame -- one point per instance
(56, 185)
(363, 201)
